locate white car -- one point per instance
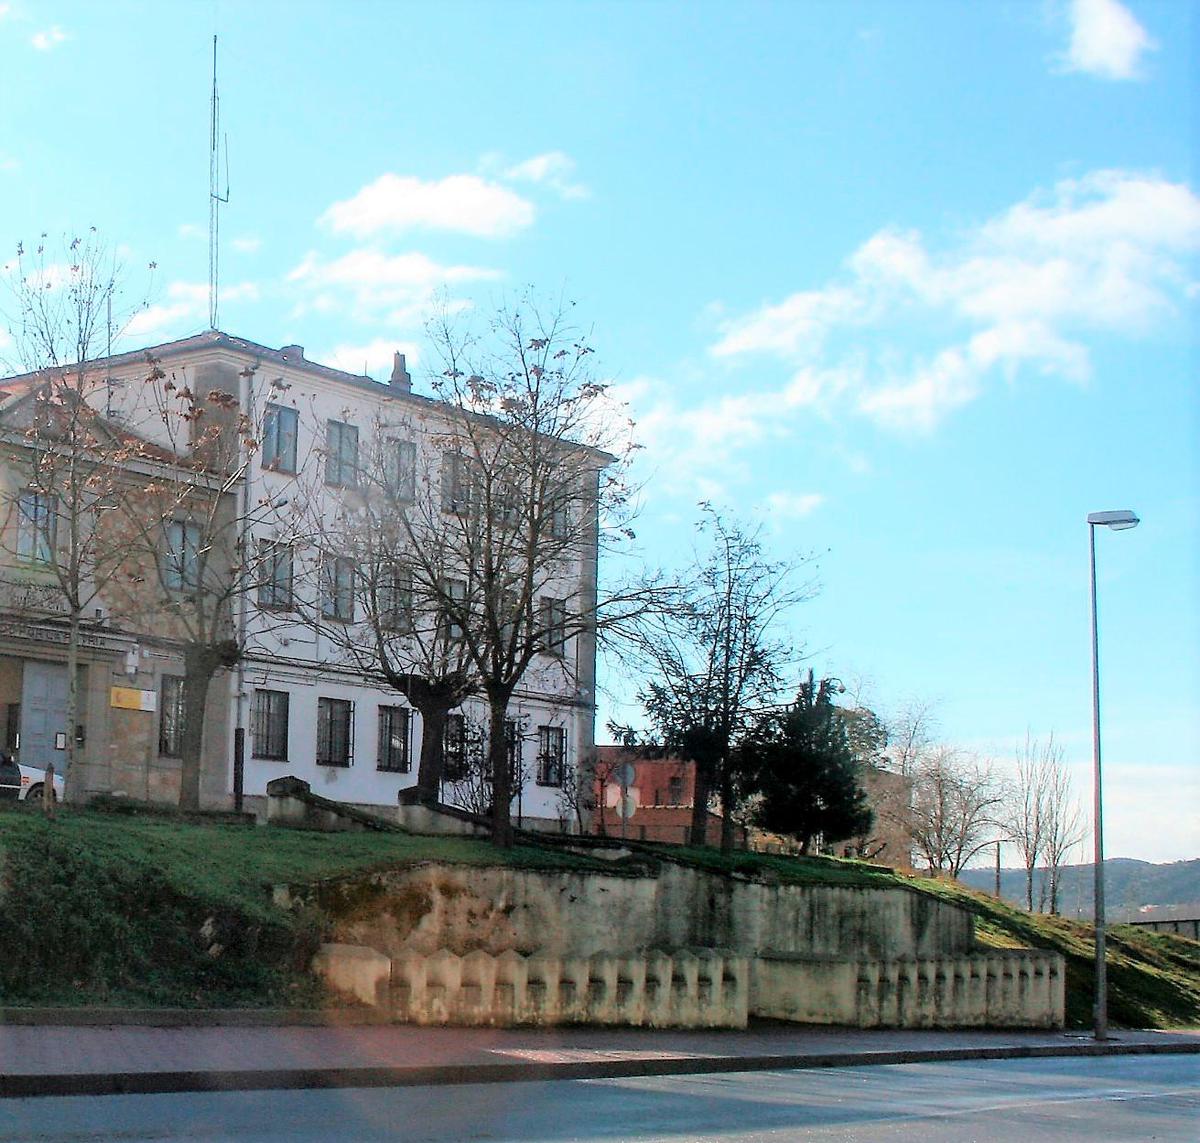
(25, 782)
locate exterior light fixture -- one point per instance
(1118, 521)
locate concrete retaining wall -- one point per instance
(1017, 988)
(498, 910)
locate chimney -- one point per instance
(401, 378)
(293, 352)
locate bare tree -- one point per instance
(1024, 816)
(956, 800)
(717, 654)
(911, 734)
(72, 464)
(1065, 824)
(189, 529)
(532, 484)
(366, 569)
(1041, 817)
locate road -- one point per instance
(1116, 1098)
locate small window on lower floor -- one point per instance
(454, 748)
(335, 732)
(269, 725)
(170, 718)
(393, 739)
(552, 755)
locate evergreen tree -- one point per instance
(801, 763)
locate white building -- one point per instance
(297, 700)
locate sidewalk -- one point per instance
(60, 1059)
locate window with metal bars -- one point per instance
(552, 755)
(393, 739)
(335, 732)
(269, 725)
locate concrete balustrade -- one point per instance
(1003, 988)
(702, 989)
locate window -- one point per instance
(554, 625)
(181, 556)
(675, 791)
(393, 739)
(279, 438)
(401, 469)
(170, 718)
(458, 481)
(454, 748)
(394, 600)
(335, 732)
(560, 517)
(456, 601)
(552, 755)
(269, 725)
(275, 575)
(512, 746)
(337, 588)
(37, 521)
(512, 742)
(341, 455)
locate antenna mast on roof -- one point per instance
(215, 199)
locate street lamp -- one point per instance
(1118, 521)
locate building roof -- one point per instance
(291, 356)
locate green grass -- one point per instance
(159, 910)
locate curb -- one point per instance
(194, 1017)
(147, 1083)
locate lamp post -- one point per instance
(1118, 521)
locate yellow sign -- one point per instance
(130, 698)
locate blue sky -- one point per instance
(913, 283)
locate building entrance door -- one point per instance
(44, 715)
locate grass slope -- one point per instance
(159, 911)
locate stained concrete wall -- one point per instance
(462, 909)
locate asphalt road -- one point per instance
(1117, 1098)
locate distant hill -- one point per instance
(1128, 884)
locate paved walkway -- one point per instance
(56, 1059)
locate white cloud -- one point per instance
(794, 327)
(398, 287)
(793, 505)
(48, 39)
(553, 169)
(191, 230)
(1106, 40)
(247, 244)
(1025, 290)
(8, 163)
(393, 204)
(373, 358)
(184, 311)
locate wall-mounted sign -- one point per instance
(130, 698)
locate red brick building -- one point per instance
(659, 794)
(658, 799)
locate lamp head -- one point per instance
(1118, 521)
